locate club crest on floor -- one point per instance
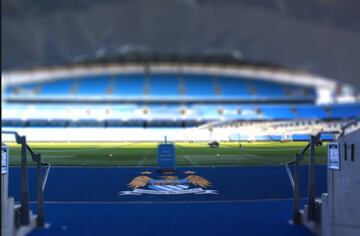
(168, 183)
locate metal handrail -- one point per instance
(47, 172)
(350, 123)
(295, 180)
(314, 141)
(40, 185)
(37, 158)
(298, 157)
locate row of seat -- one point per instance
(179, 112)
(161, 85)
(295, 137)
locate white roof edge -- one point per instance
(325, 87)
(256, 72)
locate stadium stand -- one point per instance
(312, 112)
(152, 98)
(233, 88)
(267, 89)
(169, 112)
(94, 86)
(164, 85)
(348, 110)
(199, 86)
(278, 112)
(63, 87)
(129, 85)
(159, 86)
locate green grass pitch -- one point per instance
(145, 154)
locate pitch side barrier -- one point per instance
(23, 220)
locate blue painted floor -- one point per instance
(103, 184)
(210, 218)
(249, 201)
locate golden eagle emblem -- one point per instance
(139, 181)
(169, 184)
(198, 180)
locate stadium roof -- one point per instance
(319, 36)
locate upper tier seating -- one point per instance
(198, 86)
(164, 85)
(57, 88)
(28, 89)
(268, 89)
(233, 87)
(130, 85)
(94, 86)
(160, 86)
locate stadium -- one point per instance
(236, 130)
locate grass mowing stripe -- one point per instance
(141, 162)
(74, 150)
(190, 161)
(144, 154)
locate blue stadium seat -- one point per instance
(243, 112)
(58, 123)
(125, 123)
(12, 123)
(277, 112)
(205, 112)
(306, 137)
(94, 86)
(22, 90)
(233, 87)
(327, 137)
(300, 137)
(268, 89)
(188, 86)
(198, 86)
(29, 86)
(263, 138)
(300, 92)
(249, 112)
(230, 111)
(9, 90)
(276, 137)
(311, 112)
(346, 110)
(130, 85)
(162, 112)
(56, 88)
(125, 111)
(164, 85)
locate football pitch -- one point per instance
(138, 154)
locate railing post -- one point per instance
(311, 181)
(24, 183)
(296, 208)
(296, 184)
(39, 194)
